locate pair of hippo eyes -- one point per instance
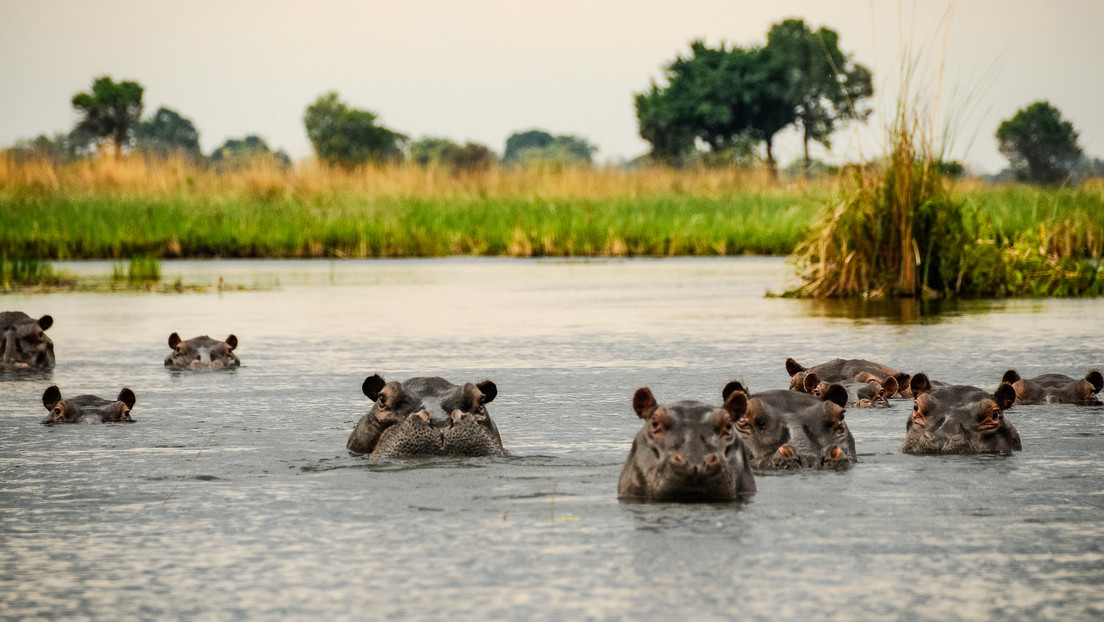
(657, 427)
(382, 401)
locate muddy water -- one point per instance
(233, 497)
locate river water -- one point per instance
(232, 496)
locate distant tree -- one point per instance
(535, 146)
(110, 111)
(56, 149)
(1040, 146)
(238, 152)
(532, 139)
(436, 152)
(823, 86)
(349, 137)
(167, 132)
(429, 151)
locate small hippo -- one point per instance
(1056, 388)
(786, 430)
(959, 419)
(869, 392)
(23, 341)
(686, 451)
(845, 371)
(87, 408)
(202, 353)
(426, 417)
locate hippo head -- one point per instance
(1056, 388)
(427, 417)
(959, 419)
(23, 341)
(786, 430)
(686, 451)
(870, 392)
(202, 353)
(88, 407)
(799, 377)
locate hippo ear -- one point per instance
(51, 397)
(1005, 396)
(126, 396)
(1010, 376)
(919, 384)
(793, 367)
(736, 404)
(489, 389)
(45, 322)
(1096, 380)
(643, 401)
(232, 341)
(811, 381)
(902, 380)
(372, 386)
(890, 385)
(731, 387)
(174, 339)
(836, 394)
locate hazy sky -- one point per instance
(482, 69)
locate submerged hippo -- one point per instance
(23, 341)
(202, 353)
(88, 408)
(1056, 388)
(426, 417)
(844, 371)
(785, 430)
(959, 419)
(868, 393)
(686, 451)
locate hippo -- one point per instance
(426, 417)
(23, 341)
(868, 393)
(686, 451)
(959, 419)
(789, 430)
(87, 408)
(1056, 388)
(202, 353)
(845, 371)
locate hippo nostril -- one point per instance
(835, 452)
(786, 451)
(712, 459)
(678, 459)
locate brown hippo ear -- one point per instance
(232, 341)
(51, 397)
(903, 381)
(45, 322)
(731, 387)
(126, 396)
(489, 389)
(372, 385)
(811, 382)
(736, 405)
(1096, 380)
(643, 401)
(793, 367)
(1010, 376)
(1005, 396)
(174, 339)
(919, 384)
(836, 394)
(890, 385)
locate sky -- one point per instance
(481, 70)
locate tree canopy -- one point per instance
(237, 152)
(433, 151)
(167, 132)
(349, 137)
(1040, 146)
(109, 111)
(536, 146)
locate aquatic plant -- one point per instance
(21, 273)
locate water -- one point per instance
(233, 496)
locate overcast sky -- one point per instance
(480, 70)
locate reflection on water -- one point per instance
(233, 497)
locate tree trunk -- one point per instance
(771, 164)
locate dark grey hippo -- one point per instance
(23, 341)
(686, 451)
(426, 417)
(1056, 388)
(786, 430)
(202, 353)
(959, 419)
(87, 408)
(871, 393)
(805, 379)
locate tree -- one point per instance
(436, 152)
(531, 139)
(167, 132)
(110, 111)
(238, 152)
(1040, 146)
(823, 86)
(57, 149)
(349, 137)
(538, 146)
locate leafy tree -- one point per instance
(56, 149)
(1040, 146)
(110, 111)
(349, 137)
(432, 151)
(519, 141)
(821, 85)
(167, 132)
(238, 152)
